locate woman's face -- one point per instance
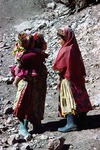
(61, 41)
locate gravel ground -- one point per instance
(13, 12)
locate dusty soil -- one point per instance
(14, 12)
(87, 138)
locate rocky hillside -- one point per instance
(24, 16)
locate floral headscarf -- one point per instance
(19, 49)
(22, 38)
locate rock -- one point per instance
(51, 5)
(41, 26)
(0, 131)
(9, 120)
(1, 78)
(56, 144)
(3, 128)
(43, 137)
(12, 140)
(66, 2)
(25, 146)
(97, 100)
(1, 148)
(12, 148)
(5, 79)
(8, 110)
(80, 4)
(4, 140)
(2, 44)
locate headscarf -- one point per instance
(18, 48)
(69, 58)
(25, 41)
(23, 38)
(39, 41)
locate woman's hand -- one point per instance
(16, 70)
(16, 81)
(15, 84)
(58, 79)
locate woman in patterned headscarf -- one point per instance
(30, 98)
(27, 43)
(73, 95)
(23, 45)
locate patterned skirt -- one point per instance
(72, 99)
(30, 99)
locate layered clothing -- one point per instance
(70, 65)
(30, 98)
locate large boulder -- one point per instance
(65, 2)
(76, 4)
(80, 4)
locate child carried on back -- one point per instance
(34, 45)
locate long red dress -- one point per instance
(31, 93)
(70, 65)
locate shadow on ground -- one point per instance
(93, 122)
(90, 122)
(66, 147)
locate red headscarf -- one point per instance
(69, 59)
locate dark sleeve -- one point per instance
(32, 59)
(28, 57)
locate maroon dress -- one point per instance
(31, 102)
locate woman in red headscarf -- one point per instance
(73, 95)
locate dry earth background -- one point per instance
(29, 16)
